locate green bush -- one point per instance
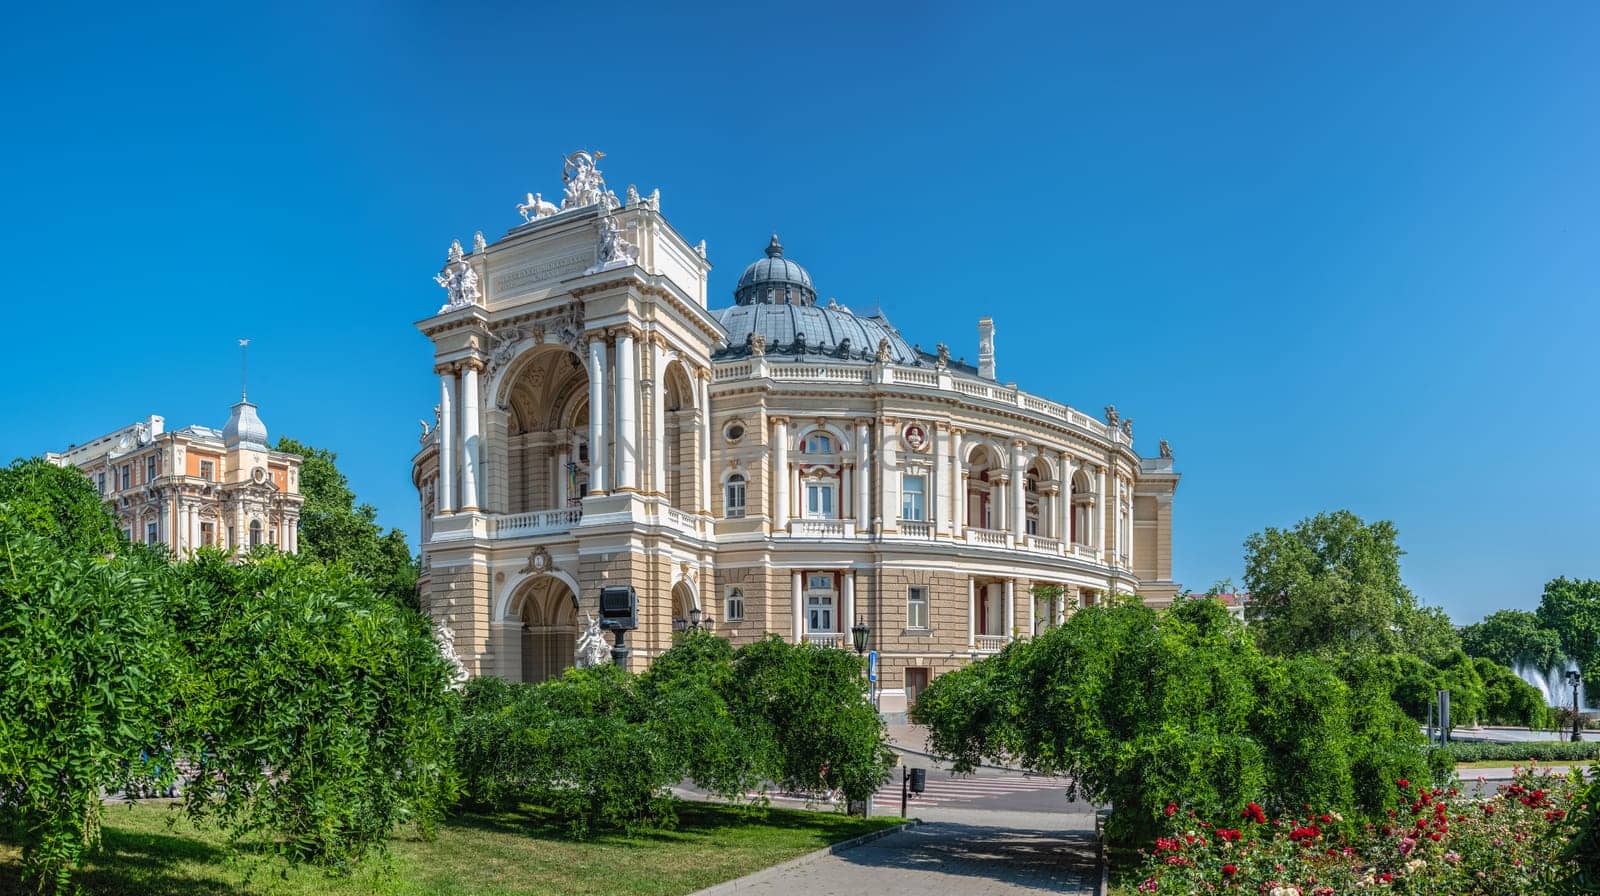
(86, 685)
(1142, 709)
(1508, 700)
(318, 715)
(1543, 751)
(601, 747)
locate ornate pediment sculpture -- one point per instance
(459, 280)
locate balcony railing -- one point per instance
(993, 538)
(539, 522)
(826, 639)
(991, 643)
(1041, 543)
(916, 528)
(823, 528)
(683, 521)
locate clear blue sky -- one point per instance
(1340, 258)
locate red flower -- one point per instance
(1230, 870)
(1229, 834)
(1386, 877)
(1402, 784)
(1171, 808)
(1255, 813)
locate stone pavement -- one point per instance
(983, 853)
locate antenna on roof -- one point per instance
(244, 370)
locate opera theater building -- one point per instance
(771, 465)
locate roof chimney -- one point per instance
(986, 347)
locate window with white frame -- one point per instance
(208, 470)
(820, 597)
(152, 533)
(733, 497)
(819, 500)
(101, 481)
(255, 534)
(733, 611)
(150, 468)
(127, 476)
(914, 497)
(817, 443)
(917, 607)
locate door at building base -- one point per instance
(916, 682)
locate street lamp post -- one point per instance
(697, 621)
(1575, 678)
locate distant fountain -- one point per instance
(1552, 684)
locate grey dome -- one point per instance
(244, 428)
(775, 280)
(828, 333)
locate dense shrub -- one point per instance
(318, 715)
(601, 747)
(1143, 709)
(1508, 700)
(86, 690)
(1542, 751)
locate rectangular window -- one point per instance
(229, 545)
(819, 500)
(150, 468)
(208, 470)
(916, 607)
(208, 534)
(914, 498)
(733, 504)
(127, 476)
(734, 610)
(152, 533)
(820, 613)
(101, 481)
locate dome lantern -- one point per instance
(775, 280)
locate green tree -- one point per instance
(1571, 609)
(1328, 586)
(318, 712)
(333, 527)
(1143, 708)
(87, 680)
(1508, 700)
(1427, 632)
(59, 505)
(1513, 637)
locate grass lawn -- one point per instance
(522, 852)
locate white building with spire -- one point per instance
(778, 465)
(197, 486)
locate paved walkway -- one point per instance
(983, 853)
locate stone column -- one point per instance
(958, 483)
(847, 602)
(888, 491)
(1064, 500)
(798, 606)
(863, 481)
(471, 443)
(658, 416)
(1098, 514)
(1010, 608)
(597, 415)
(780, 477)
(1028, 605)
(972, 612)
(703, 381)
(447, 438)
(627, 415)
(1019, 496)
(938, 483)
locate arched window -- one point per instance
(817, 443)
(733, 498)
(734, 611)
(255, 534)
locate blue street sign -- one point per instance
(872, 665)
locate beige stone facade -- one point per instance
(779, 465)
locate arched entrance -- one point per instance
(547, 432)
(548, 611)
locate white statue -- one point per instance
(633, 195)
(700, 249)
(614, 250)
(592, 647)
(585, 186)
(479, 244)
(446, 639)
(459, 280)
(536, 208)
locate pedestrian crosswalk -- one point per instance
(946, 789)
